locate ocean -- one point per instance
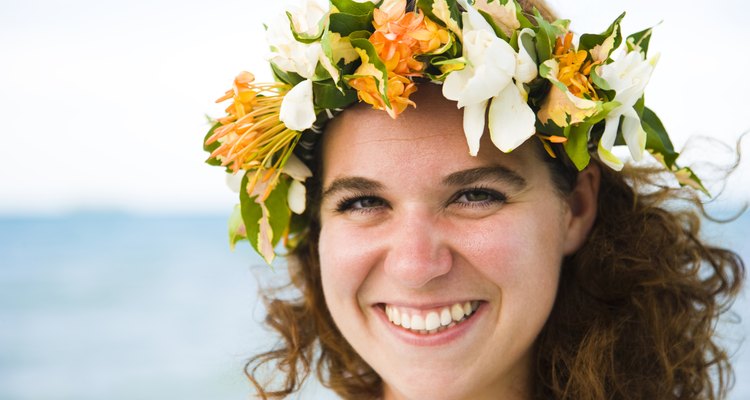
(97, 305)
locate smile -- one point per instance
(427, 322)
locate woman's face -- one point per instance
(439, 268)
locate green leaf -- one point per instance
(321, 73)
(604, 110)
(375, 60)
(545, 37)
(211, 147)
(588, 41)
(279, 213)
(498, 31)
(291, 78)
(353, 7)
(639, 105)
(235, 222)
(304, 38)
(657, 140)
(278, 209)
(525, 23)
(546, 68)
(364, 34)
(427, 5)
(527, 41)
(599, 81)
(577, 145)
(640, 39)
(686, 177)
(251, 214)
(328, 96)
(345, 24)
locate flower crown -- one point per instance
(327, 55)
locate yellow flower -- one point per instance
(572, 69)
(575, 71)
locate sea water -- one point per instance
(114, 306)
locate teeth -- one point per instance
(457, 312)
(417, 323)
(406, 321)
(445, 317)
(434, 320)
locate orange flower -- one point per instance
(251, 133)
(392, 37)
(398, 90)
(397, 53)
(575, 70)
(431, 36)
(399, 36)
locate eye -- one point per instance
(360, 204)
(479, 197)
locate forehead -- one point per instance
(428, 139)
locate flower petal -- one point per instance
(511, 120)
(329, 67)
(526, 68)
(265, 236)
(628, 76)
(611, 123)
(490, 62)
(608, 158)
(474, 125)
(295, 168)
(297, 111)
(296, 197)
(234, 181)
(633, 133)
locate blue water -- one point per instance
(113, 306)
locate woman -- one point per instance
(439, 256)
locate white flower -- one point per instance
(307, 15)
(289, 54)
(503, 15)
(627, 76)
(299, 172)
(491, 67)
(297, 109)
(234, 180)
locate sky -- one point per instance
(103, 103)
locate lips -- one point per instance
(430, 321)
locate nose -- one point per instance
(419, 251)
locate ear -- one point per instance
(583, 206)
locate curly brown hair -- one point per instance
(634, 318)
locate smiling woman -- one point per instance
(423, 266)
(442, 256)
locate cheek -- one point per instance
(343, 266)
(519, 252)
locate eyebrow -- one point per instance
(493, 173)
(354, 183)
(459, 178)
